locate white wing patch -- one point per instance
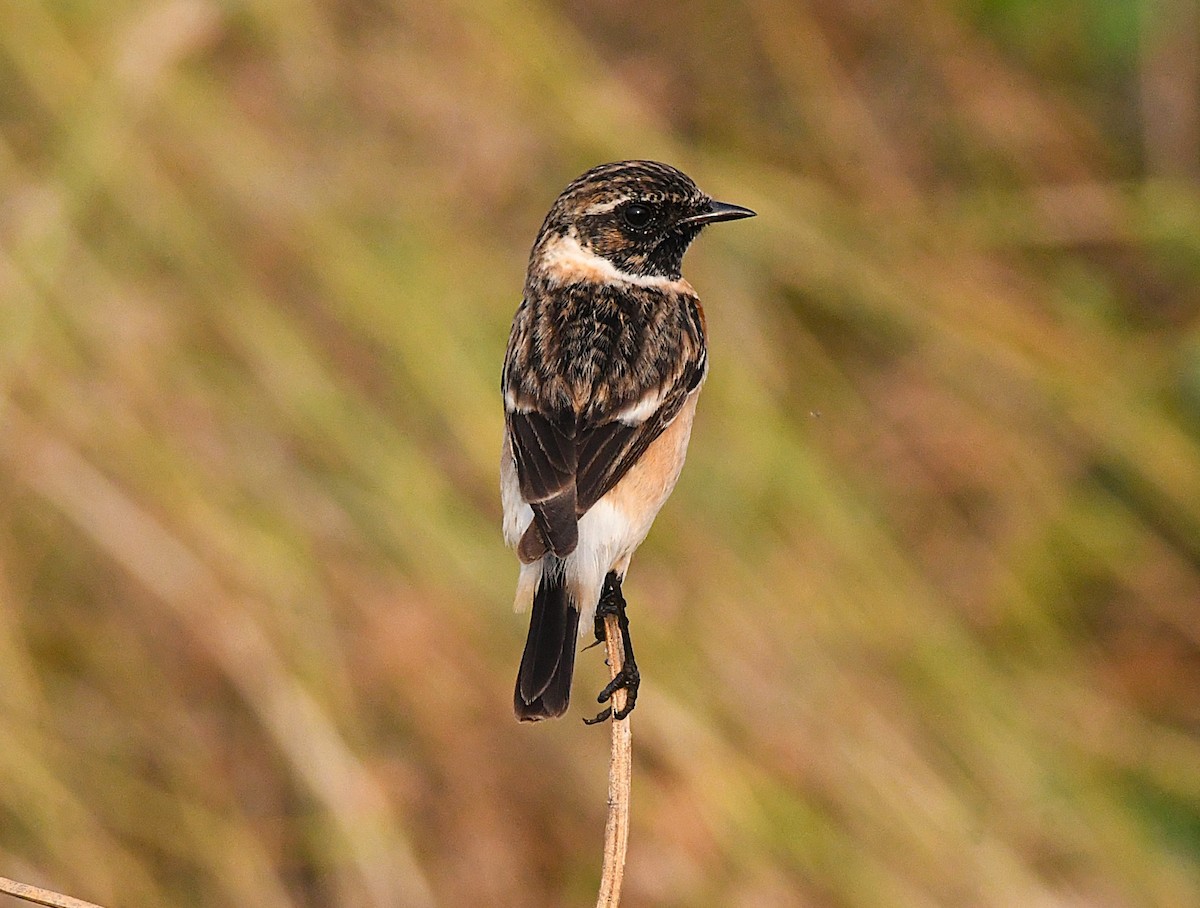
(511, 405)
(639, 411)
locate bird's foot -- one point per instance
(628, 679)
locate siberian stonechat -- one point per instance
(605, 360)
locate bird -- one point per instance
(605, 360)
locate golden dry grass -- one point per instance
(920, 626)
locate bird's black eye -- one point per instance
(638, 216)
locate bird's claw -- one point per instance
(599, 717)
(627, 679)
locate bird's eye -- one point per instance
(638, 216)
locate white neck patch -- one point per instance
(566, 261)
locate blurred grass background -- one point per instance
(921, 624)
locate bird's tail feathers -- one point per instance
(543, 687)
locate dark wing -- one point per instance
(546, 456)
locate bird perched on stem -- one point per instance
(604, 363)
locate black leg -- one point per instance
(612, 602)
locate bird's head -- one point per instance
(631, 218)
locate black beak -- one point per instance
(718, 211)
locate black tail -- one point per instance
(544, 680)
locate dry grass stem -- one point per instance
(620, 777)
(42, 896)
